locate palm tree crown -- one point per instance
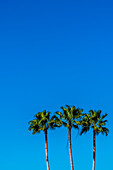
(69, 116)
(95, 121)
(43, 121)
(40, 122)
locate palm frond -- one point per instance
(75, 126)
(65, 124)
(85, 129)
(104, 115)
(59, 113)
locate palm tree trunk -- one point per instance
(70, 151)
(46, 149)
(94, 134)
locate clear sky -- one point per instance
(54, 53)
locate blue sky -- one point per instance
(54, 53)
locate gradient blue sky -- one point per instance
(54, 53)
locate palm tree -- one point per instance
(42, 122)
(95, 121)
(69, 118)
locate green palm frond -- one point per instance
(105, 130)
(55, 122)
(85, 129)
(59, 113)
(91, 113)
(104, 115)
(75, 126)
(98, 113)
(77, 122)
(38, 116)
(65, 124)
(68, 108)
(64, 109)
(48, 115)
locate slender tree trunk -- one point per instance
(46, 149)
(94, 134)
(70, 151)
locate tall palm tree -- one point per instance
(42, 122)
(95, 121)
(69, 118)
